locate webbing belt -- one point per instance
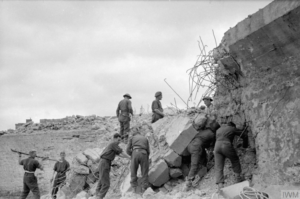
(28, 171)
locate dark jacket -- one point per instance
(124, 109)
(138, 142)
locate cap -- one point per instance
(32, 150)
(117, 135)
(207, 98)
(158, 93)
(127, 95)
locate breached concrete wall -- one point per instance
(260, 60)
(47, 144)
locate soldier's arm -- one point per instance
(148, 148)
(129, 147)
(130, 107)
(20, 161)
(118, 110)
(156, 109)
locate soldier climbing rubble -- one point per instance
(124, 111)
(59, 171)
(29, 180)
(106, 158)
(224, 149)
(139, 150)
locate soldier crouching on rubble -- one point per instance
(59, 171)
(224, 149)
(107, 156)
(139, 150)
(29, 180)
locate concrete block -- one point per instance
(92, 154)
(173, 159)
(175, 173)
(126, 186)
(159, 173)
(91, 179)
(80, 169)
(234, 190)
(82, 159)
(94, 167)
(180, 143)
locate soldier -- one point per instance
(59, 173)
(196, 148)
(139, 150)
(124, 111)
(107, 156)
(157, 109)
(224, 149)
(210, 107)
(29, 180)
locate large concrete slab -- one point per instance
(159, 173)
(173, 159)
(183, 139)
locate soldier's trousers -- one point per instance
(57, 183)
(30, 184)
(139, 157)
(124, 128)
(104, 180)
(224, 149)
(198, 156)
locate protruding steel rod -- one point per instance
(176, 93)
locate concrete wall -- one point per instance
(261, 58)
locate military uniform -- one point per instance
(224, 149)
(139, 150)
(61, 168)
(123, 111)
(107, 157)
(196, 148)
(156, 104)
(29, 180)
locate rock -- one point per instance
(168, 187)
(175, 173)
(148, 193)
(234, 190)
(94, 167)
(80, 169)
(180, 143)
(159, 173)
(73, 186)
(92, 190)
(82, 159)
(48, 196)
(200, 120)
(126, 186)
(92, 154)
(163, 190)
(91, 179)
(173, 159)
(81, 195)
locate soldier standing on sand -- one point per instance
(139, 150)
(60, 169)
(157, 109)
(124, 111)
(29, 180)
(107, 156)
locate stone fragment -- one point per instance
(73, 186)
(149, 193)
(180, 143)
(159, 173)
(91, 179)
(94, 167)
(92, 190)
(168, 187)
(234, 190)
(92, 155)
(80, 169)
(175, 173)
(126, 186)
(173, 159)
(82, 159)
(81, 195)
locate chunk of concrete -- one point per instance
(91, 179)
(92, 154)
(82, 159)
(172, 159)
(182, 140)
(80, 169)
(126, 186)
(234, 190)
(159, 173)
(175, 172)
(94, 167)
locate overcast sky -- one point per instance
(62, 58)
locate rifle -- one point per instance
(45, 158)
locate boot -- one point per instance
(238, 178)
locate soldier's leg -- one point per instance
(134, 165)
(121, 128)
(105, 180)
(219, 163)
(234, 159)
(33, 186)
(195, 150)
(54, 189)
(126, 130)
(144, 169)
(26, 189)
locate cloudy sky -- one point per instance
(60, 58)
